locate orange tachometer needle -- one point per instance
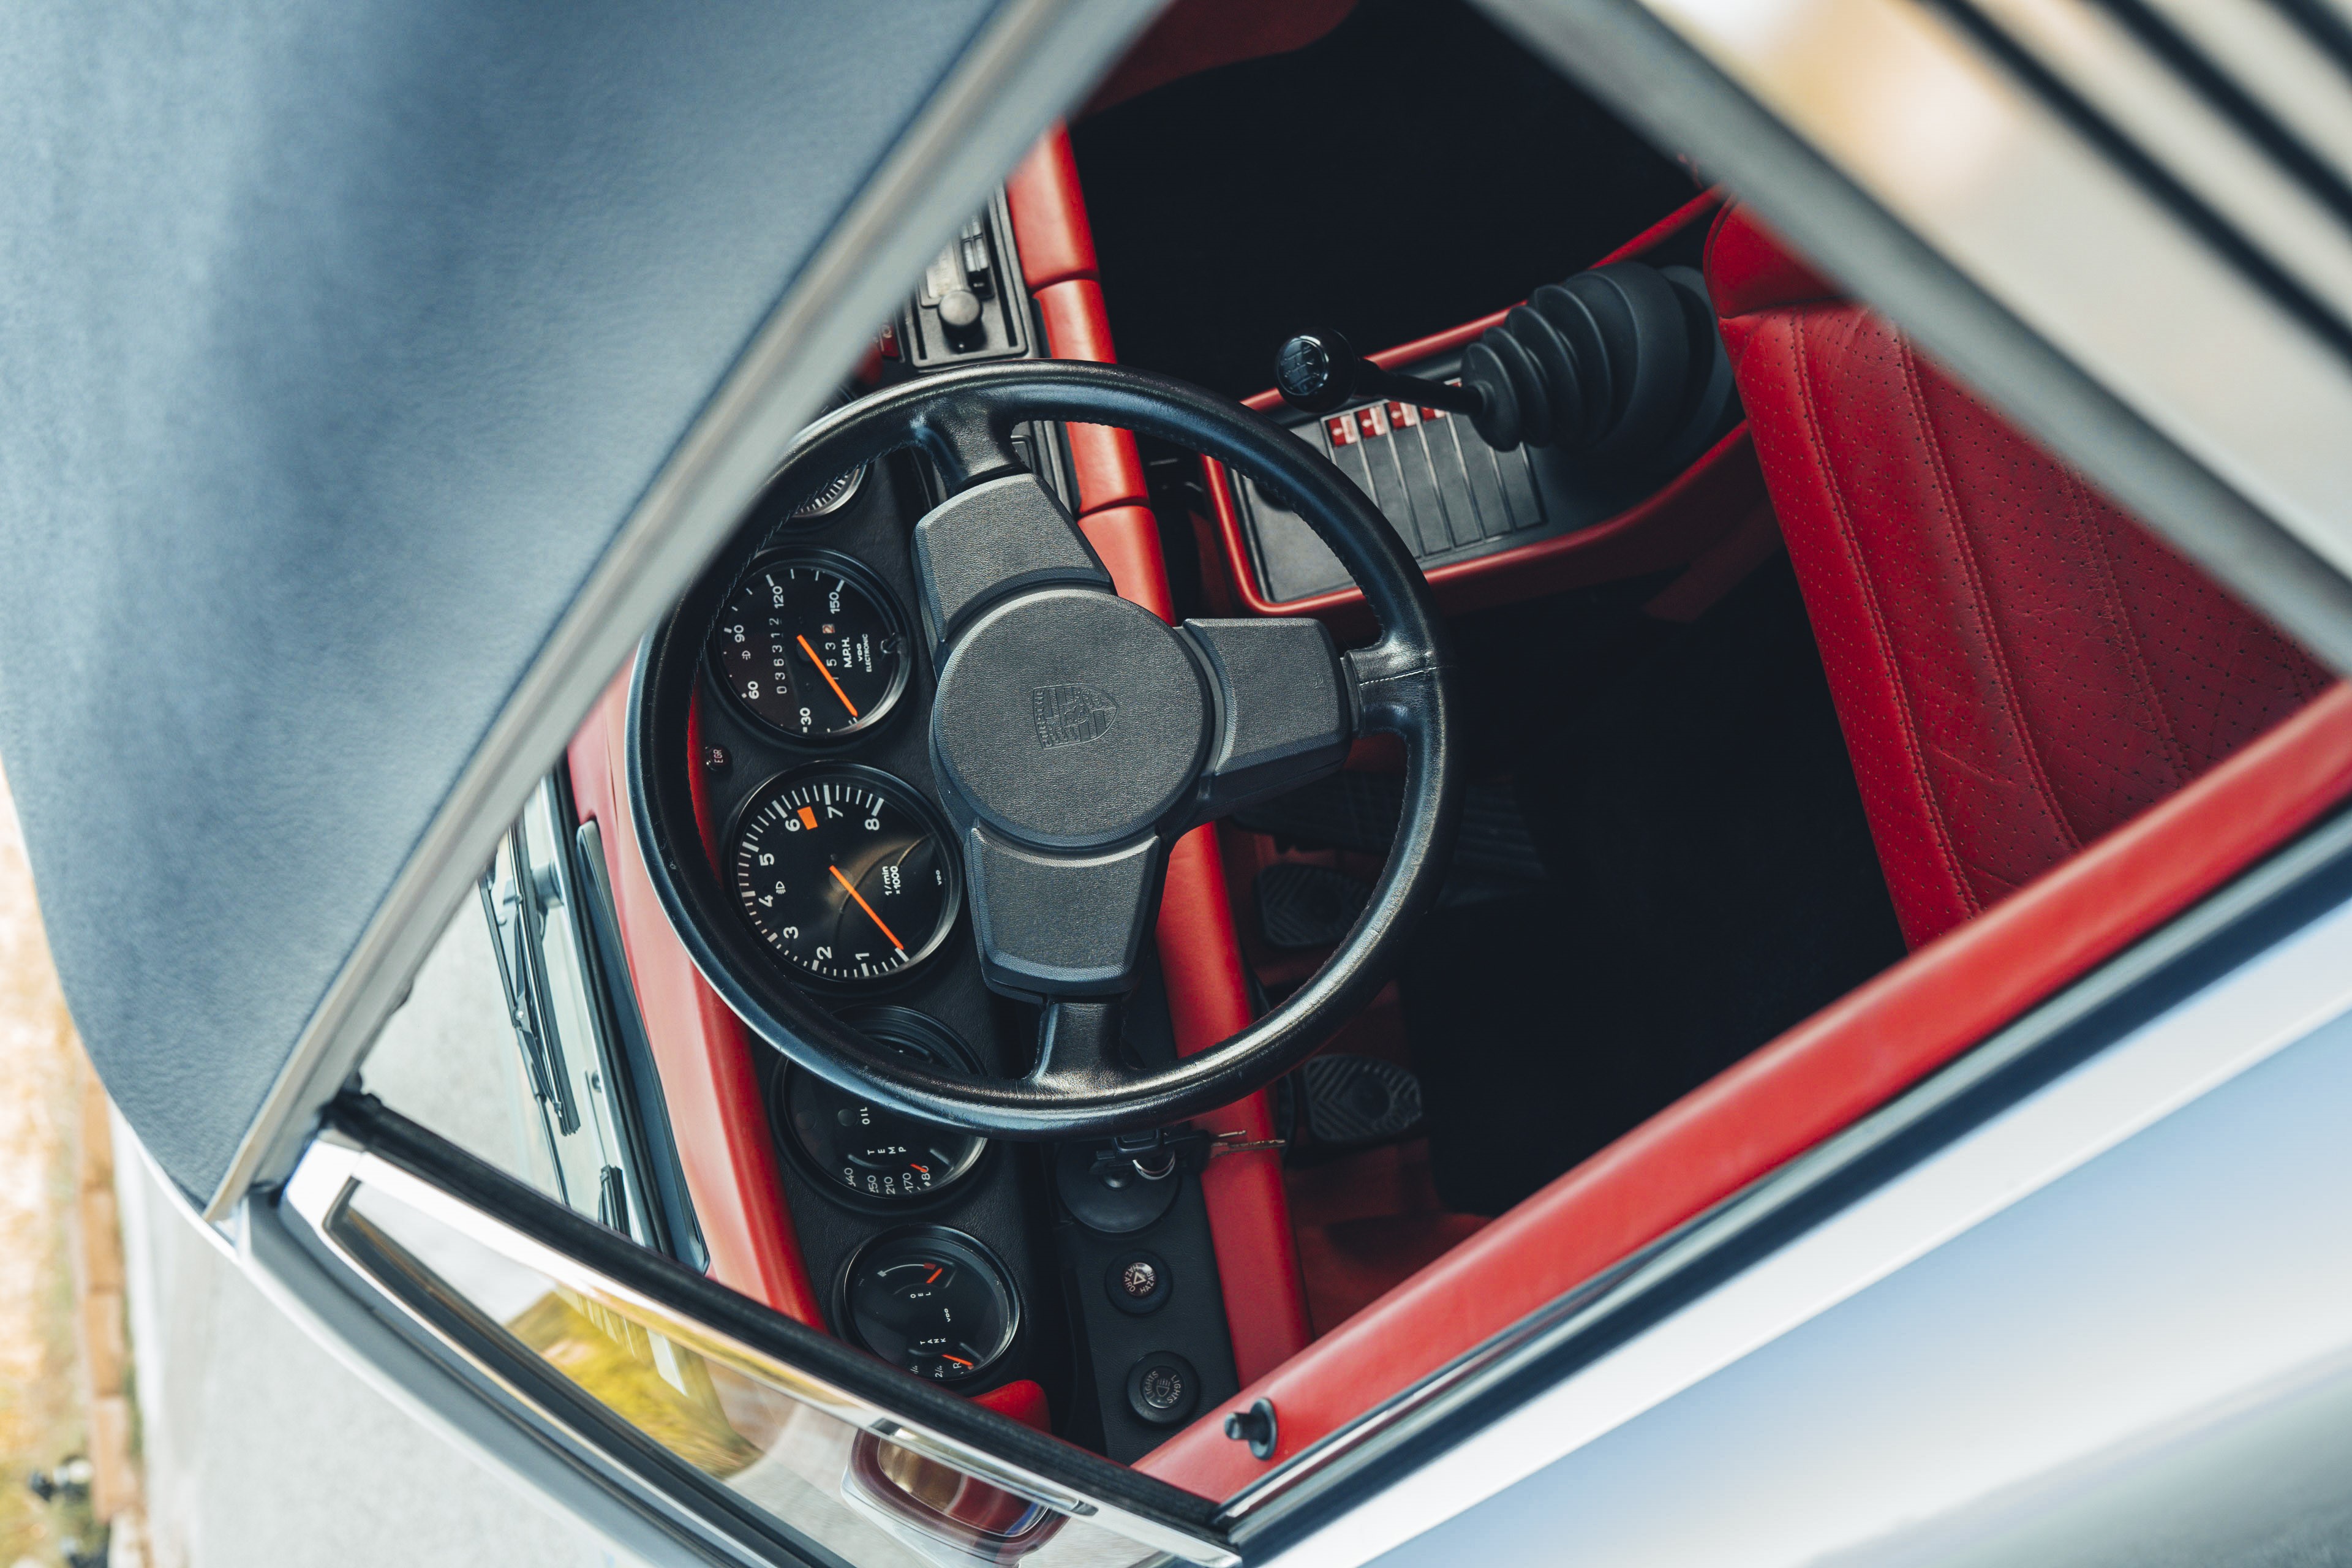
(829, 681)
(851, 889)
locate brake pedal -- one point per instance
(1359, 1099)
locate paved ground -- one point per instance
(261, 1448)
(41, 1415)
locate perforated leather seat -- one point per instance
(2019, 665)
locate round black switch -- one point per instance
(959, 316)
(1137, 1282)
(1162, 1388)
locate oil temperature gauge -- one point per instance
(865, 1149)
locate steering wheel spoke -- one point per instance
(1285, 708)
(1001, 536)
(1078, 1046)
(1061, 925)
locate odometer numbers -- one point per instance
(810, 646)
(843, 872)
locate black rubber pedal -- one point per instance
(1359, 1100)
(1307, 906)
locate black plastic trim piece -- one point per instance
(649, 1129)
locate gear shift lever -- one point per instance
(1619, 364)
(1320, 371)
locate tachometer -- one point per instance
(810, 646)
(844, 871)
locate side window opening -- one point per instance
(521, 1039)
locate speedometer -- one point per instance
(810, 646)
(844, 872)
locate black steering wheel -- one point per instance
(1076, 736)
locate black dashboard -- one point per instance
(794, 674)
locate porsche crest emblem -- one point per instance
(1070, 713)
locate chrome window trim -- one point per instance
(1540, 1360)
(1032, 58)
(334, 1166)
(331, 1152)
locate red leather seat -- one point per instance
(2019, 665)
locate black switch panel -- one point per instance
(969, 306)
(1449, 495)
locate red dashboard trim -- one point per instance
(1109, 469)
(1199, 955)
(1249, 1207)
(1049, 214)
(1702, 206)
(1194, 36)
(1704, 503)
(1816, 1078)
(700, 1047)
(1023, 1401)
(1128, 540)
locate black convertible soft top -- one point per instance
(337, 341)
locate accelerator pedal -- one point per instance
(1307, 906)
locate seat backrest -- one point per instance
(2019, 665)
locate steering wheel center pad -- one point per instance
(1067, 718)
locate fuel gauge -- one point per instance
(933, 1301)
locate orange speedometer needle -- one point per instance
(851, 889)
(837, 691)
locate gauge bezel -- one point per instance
(884, 599)
(889, 1022)
(1016, 1312)
(805, 515)
(909, 798)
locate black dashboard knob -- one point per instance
(1162, 1388)
(960, 319)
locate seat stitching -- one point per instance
(1973, 573)
(1849, 541)
(2135, 654)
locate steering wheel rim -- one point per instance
(962, 420)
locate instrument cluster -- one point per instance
(829, 843)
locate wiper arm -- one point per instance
(529, 1006)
